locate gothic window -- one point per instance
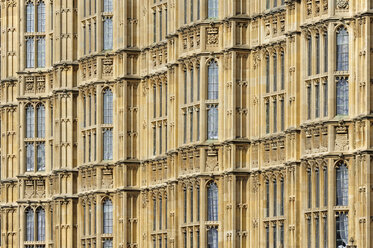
(213, 8)
(108, 145)
(154, 214)
(267, 74)
(40, 215)
(342, 230)
(267, 200)
(41, 121)
(108, 107)
(317, 101)
(309, 231)
(108, 5)
(282, 58)
(325, 52)
(191, 10)
(108, 33)
(309, 64)
(41, 17)
(30, 53)
(317, 172)
(212, 238)
(267, 117)
(325, 186)
(275, 116)
(185, 205)
(108, 243)
(342, 96)
(282, 236)
(275, 72)
(342, 49)
(108, 217)
(326, 232)
(267, 4)
(212, 202)
(317, 232)
(185, 127)
(191, 84)
(282, 102)
(326, 99)
(154, 140)
(342, 184)
(160, 25)
(30, 17)
(29, 225)
(191, 125)
(309, 188)
(41, 52)
(212, 123)
(185, 12)
(160, 213)
(30, 157)
(275, 197)
(154, 26)
(267, 236)
(274, 236)
(198, 203)
(191, 204)
(40, 157)
(185, 86)
(30, 121)
(317, 54)
(309, 100)
(213, 81)
(282, 196)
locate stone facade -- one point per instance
(282, 132)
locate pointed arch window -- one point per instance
(29, 225)
(213, 81)
(108, 107)
(342, 96)
(108, 5)
(30, 121)
(342, 49)
(41, 17)
(108, 217)
(213, 7)
(41, 121)
(40, 216)
(342, 184)
(30, 17)
(212, 238)
(212, 202)
(342, 230)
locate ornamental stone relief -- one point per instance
(107, 67)
(212, 36)
(342, 4)
(341, 138)
(107, 178)
(34, 188)
(212, 163)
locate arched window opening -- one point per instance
(41, 17)
(29, 225)
(212, 122)
(30, 121)
(213, 81)
(108, 107)
(342, 91)
(41, 121)
(342, 49)
(342, 230)
(342, 184)
(30, 17)
(212, 202)
(108, 145)
(40, 215)
(212, 238)
(108, 217)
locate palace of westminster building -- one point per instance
(186, 123)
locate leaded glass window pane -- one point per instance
(274, 116)
(282, 200)
(342, 230)
(325, 186)
(108, 243)
(317, 188)
(309, 231)
(282, 71)
(317, 54)
(41, 17)
(108, 34)
(213, 8)
(29, 157)
(30, 17)
(317, 232)
(30, 121)
(267, 117)
(212, 123)
(275, 198)
(29, 225)
(108, 145)
(342, 96)
(108, 217)
(309, 188)
(342, 185)
(267, 75)
(212, 202)
(309, 100)
(275, 72)
(267, 200)
(41, 121)
(274, 236)
(40, 213)
(326, 99)
(30, 53)
(309, 56)
(108, 5)
(185, 205)
(342, 50)
(325, 52)
(108, 107)
(212, 238)
(41, 52)
(317, 100)
(213, 81)
(41, 157)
